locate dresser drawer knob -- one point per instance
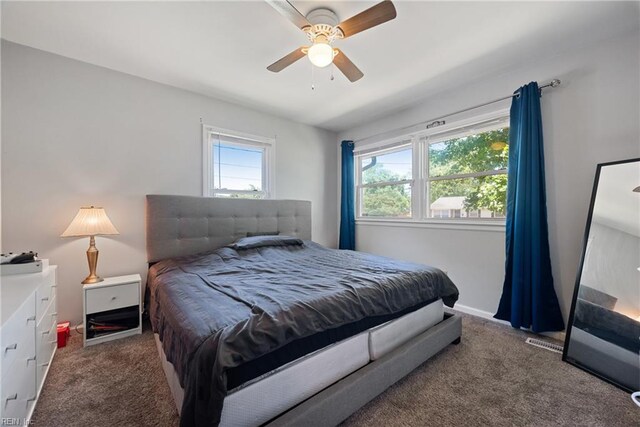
(31, 399)
(11, 347)
(31, 319)
(55, 313)
(31, 359)
(14, 396)
(113, 298)
(45, 299)
(44, 364)
(53, 341)
(46, 333)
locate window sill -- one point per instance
(473, 225)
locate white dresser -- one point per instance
(28, 340)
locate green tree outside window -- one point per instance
(482, 152)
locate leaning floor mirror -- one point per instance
(603, 336)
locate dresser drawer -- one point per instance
(46, 330)
(45, 293)
(112, 297)
(18, 334)
(45, 352)
(25, 351)
(46, 342)
(19, 389)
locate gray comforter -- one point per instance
(218, 310)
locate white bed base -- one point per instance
(304, 379)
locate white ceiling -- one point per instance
(617, 205)
(222, 49)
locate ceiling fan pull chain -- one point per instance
(333, 67)
(313, 86)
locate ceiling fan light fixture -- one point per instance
(322, 27)
(320, 54)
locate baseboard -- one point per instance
(560, 336)
(478, 313)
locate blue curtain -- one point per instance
(528, 297)
(347, 203)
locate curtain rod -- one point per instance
(439, 122)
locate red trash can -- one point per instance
(63, 333)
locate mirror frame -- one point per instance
(579, 279)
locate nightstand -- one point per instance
(112, 309)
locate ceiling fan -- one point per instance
(322, 29)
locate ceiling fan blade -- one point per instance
(287, 10)
(375, 15)
(347, 67)
(287, 60)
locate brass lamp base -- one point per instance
(90, 280)
(92, 259)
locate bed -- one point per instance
(276, 329)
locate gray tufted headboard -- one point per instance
(185, 225)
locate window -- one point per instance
(385, 183)
(456, 172)
(467, 174)
(237, 165)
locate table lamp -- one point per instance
(90, 222)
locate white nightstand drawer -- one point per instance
(112, 297)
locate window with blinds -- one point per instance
(237, 165)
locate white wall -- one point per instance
(592, 117)
(75, 134)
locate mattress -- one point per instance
(220, 312)
(248, 371)
(258, 402)
(271, 394)
(391, 335)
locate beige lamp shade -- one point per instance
(90, 221)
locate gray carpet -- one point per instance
(491, 378)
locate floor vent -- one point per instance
(546, 345)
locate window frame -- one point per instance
(239, 139)
(360, 187)
(420, 141)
